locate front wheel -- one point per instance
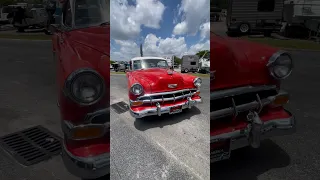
(186, 70)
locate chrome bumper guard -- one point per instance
(86, 168)
(158, 110)
(256, 131)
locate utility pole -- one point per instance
(141, 51)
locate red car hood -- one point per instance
(158, 79)
(238, 63)
(94, 37)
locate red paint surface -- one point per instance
(83, 48)
(239, 63)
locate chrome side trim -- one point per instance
(90, 116)
(240, 90)
(158, 110)
(86, 167)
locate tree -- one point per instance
(201, 53)
(177, 60)
(7, 2)
(111, 62)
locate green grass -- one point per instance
(25, 36)
(194, 74)
(289, 44)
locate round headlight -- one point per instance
(197, 82)
(85, 87)
(280, 65)
(136, 89)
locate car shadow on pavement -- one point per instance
(165, 119)
(248, 163)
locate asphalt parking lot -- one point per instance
(166, 147)
(293, 157)
(28, 98)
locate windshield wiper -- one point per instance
(105, 24)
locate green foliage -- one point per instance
(111, 62)
(7, 2)
(177, 60)
(201, 53)
(223, 4)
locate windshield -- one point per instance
(149, 63)
(91, 12)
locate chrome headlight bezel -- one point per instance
(74, 76)
(273, 61)
(133, 92)
(197, 82)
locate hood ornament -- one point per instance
(172, 85)
(170, 71)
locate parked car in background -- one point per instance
(81, 46)
(246, 99)
(155, 89)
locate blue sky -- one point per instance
(165, 28)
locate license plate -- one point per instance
(220, 150)
(176, 109)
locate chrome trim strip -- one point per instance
(86, 167)
(163, 110)
(239, 90)
(239, 138)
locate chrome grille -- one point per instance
(167, 96)
(234, 101)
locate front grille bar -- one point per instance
(184, 95)
(258, 104)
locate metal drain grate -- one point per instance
(120, 107)
(32, 145)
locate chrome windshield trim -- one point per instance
(239, 90)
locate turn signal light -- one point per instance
(281, 100)
(136, 103)
(82, 133)
(197, 93)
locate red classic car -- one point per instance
(81, 50)
(246, 100)
(155, 89)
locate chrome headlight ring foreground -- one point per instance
(197, 82)
(280, 65)
(85, 87)
(136, 89)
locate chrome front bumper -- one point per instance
(86, 168)
(240, 138)
(158, 110)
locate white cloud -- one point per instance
(205, 30)
(193, 15)
(156, 46)
(126, 20)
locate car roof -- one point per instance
(150, 57)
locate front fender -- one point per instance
(132, 79)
